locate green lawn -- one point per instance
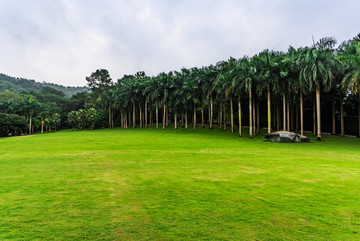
(151, 184)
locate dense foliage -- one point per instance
(12, 123)
(44, 111)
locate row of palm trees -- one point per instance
(281, 80)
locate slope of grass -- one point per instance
(177, 185)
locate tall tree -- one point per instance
(317, 70)
(352, 77)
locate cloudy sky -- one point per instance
(63, 41)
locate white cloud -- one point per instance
(64, 41)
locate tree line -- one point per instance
(27, 112)
(283, 90)
(310, 88)
(18, 85)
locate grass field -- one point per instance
(149, 184)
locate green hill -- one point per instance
(20, 84)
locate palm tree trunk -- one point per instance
(146, 113)
(258, 117)
(194, 122)
(342, 116)
(109, 115)
(269, 110)
(202, 114)
(254, 119)
(182, 119)
(122, 119)
(112, 117)
(274, 116)
(129, 116)
(297, 118)
(157, 114)
(167, 114)
(211, 112)
(30, 120)
(288, 111)
(134, 115)
(314, 117)
(150, 113)
(229, 116)
(318, 113)
(284, 112)
(250, 116)
(333, 114)
(140, 113)
(277, 115)
(126, 120)
(239, 107)
(186, 120)
(232, 115)
(175, 120)
(164, 116)
(292, 117)
(220, 115)
(42, 127)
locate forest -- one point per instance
(308, 89)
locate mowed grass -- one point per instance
(153, 184)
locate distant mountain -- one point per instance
(20, 84)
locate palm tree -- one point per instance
(219, 88)
(140, 88)
(200, 76)
(296, 57)
(189, 93)
(195, 91)
(121, 101)
(71, 119)
(210, 75)
(30, 105)
(318, 65)
(225, 79)
(163, 84)
(107, 98)
(268, 75)
(154, 90)
(56, 120)
(176, 86)
(240, 75)
(247, 85)
(45, 114)
(128, 88)
(81, 118)
(352, 77)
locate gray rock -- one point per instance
(286, 136)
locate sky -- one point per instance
(63, 41)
